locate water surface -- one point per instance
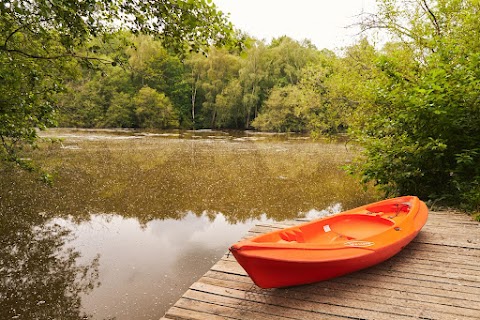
(134, 218)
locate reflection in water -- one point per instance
(149, 214)
(39, 274)
(146, 268)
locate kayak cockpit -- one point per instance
(331, 231)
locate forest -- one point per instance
(271, 87)
(412, 101)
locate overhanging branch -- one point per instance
(65, 55)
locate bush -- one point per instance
(424, 136)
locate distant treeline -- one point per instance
(284, 85)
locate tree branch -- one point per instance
(372, 21)
(26, 25)
(12, 34)
(71, 55)
(433, 18)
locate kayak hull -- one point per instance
(332, 246)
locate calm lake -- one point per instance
(133, 219)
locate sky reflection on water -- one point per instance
(144, 269)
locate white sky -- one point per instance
(324, 22)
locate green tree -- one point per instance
(286, 58)
(345, 84)
(230, 112)
(424, 135)
(42, 41)
(273, 76)
(288, 109)
(143, 52)
(321, 102)
(154, 110)
(121, 112)
(85, 101)
(195, 71)
(222, 67)
(252, 76)
(153, 65)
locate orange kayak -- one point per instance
(332, 246)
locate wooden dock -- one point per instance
(437, 276)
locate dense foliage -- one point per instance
(43, 42)
(422, 135)
(282, 86)
(412, 103)
(223, 88)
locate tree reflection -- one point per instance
(151, 179)
(39, 274)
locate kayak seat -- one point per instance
(345, 227)
(361, 226)
(292, 235)
(391, 208)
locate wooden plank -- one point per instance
(409, 284)
(438, 258)
(441, 292)
(186, 309)
(293, 307)
(457, 232)
(410, 265)
(450, 216)
(460, 252)
(445, 242)
(349, 296)
(232, 307)
(249, 305)
(432, 252)
(437, 276)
